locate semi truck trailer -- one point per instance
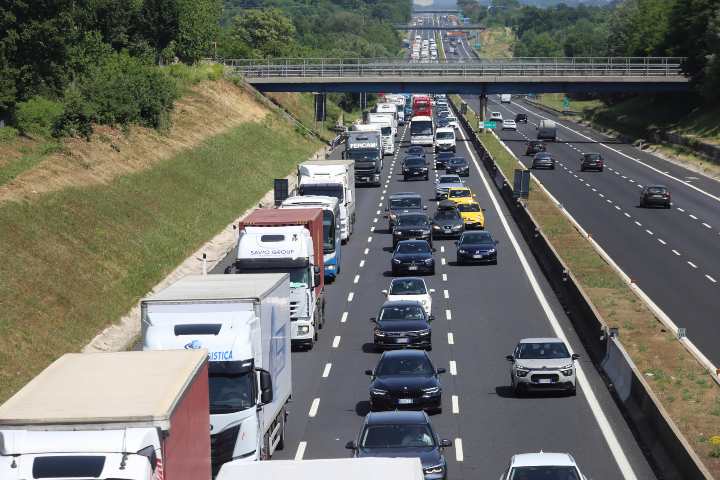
(124, 415)
(327, 469)
(243, 321)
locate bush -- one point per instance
(186, 75)
(7, 134)
(37, 116)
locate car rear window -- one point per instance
(656, 190)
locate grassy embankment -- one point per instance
(495, 42)
(76, 258)
(684, 388)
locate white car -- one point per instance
(509, 124)
(410, 288)
(496, 117)
(445, 140)
(542, 465)
(542, 364)
(452, 121)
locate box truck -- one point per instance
(335, 178)
(332, 246)
(547, 130)
(243, 321)
(365, 149)
(327, 469)
(128, 415)
(388, 129)
(288, 241)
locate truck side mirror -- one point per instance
(384, 292)
(266, 389)
(510, 358)
(575, 356)
(316, 275)
(350, 445)
(368, 372)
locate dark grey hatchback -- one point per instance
(404, 434)
(402, 324)
(413, 256)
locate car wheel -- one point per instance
(427, 177)
(405, 178)
(432, 272)
(573, 391)
(517, 391)
(494, 262)
(552, 167)
(667, 206)
(458, 261)
(429, 348)
(582, 169)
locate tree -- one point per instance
(267, 32)
(198, 26)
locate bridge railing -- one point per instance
(550, 66)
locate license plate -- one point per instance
(402, 340)
(417, 173)
(366, 179)
(545, 380)
(477, 256)
(657, 196)
(405, 401)
(413, 267)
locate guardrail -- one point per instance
(518, 67)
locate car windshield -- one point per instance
(457, 161)
(447, 214)
(444, 155)
(385, 131)
(414, 162)
(397, 203)
(445, 136)
(410, 311)
(413, 247)
(408, 286)
(412, 220)
(397, 436)
(417, 365)
(544, 473)
(362, 154)
(323, 189)
(459, 193)
(423, 127)
(469, 207)
(542, 155)
(449, 179)
(656, 190)
(542, 351)
(592, 156)
(415, 151)
(476, 237)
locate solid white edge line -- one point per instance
(326, 371)
(615, 448)
(300, 451)
(314, 408)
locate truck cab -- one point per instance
(365, 148)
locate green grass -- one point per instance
(496, 42)
(76, 260)
(186, 76)
(441, 48)
(555, 100)
(32, 155)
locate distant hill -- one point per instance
(550, 3)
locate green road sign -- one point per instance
(489, 125)
(477, 45)
(566, 103)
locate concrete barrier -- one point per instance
(663, 444)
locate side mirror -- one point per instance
(510, 358)
(445, 443)
(316, 276)
(368, 372)
(484, 209)
(266, 390)
(351, 445)
(373, 320)
(440, 371)
(431, 318)
(575, 356)
(432, 290)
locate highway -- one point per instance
(672, 255)
(481, 312)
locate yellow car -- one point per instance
(472, 215)
(459, 195)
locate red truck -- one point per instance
(288, 241)
(422, 106)
(134, 415)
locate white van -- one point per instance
(505, 98)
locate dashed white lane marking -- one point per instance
(314, 408)
(594, 189)
(362, 263)
(631, 181)
(624, 177)
(601, 195)
(370, 239)
(711, 278)
(356, 279)
(300, 450)
(459, 450)
(382, 197)
(442, 248)
(680, 209)
(451, 338)
(453, 367)
(442, 260)
(455, 405)
(638, 223)
(336, 341)
(372, 229)
(343, 319)
(662, 241)
(380, 204)
(326, 371)
(375, 220)
(627, 214)
(649, 232)
(691, 264)
(609, 201)
(367, 250)
(446, 294)
(617, 207)
(384, 191)
(693, 216)
(448, 314)
(444, 277)
(351, 295)
(377, 213)
(706, 225)
(676, 252)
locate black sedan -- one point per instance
(543, 160)
(413, 256)
(591, 161)
(415, 167)
(405, 379)
(458, 165)
(415, 151)
(442, 158)
(412, 226)
(476, 247)
(402, 324)
(521, 118)
(655, 196)
(447, 221)
(534, 146)
(402, 434)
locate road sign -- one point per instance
(566, 103)
(489, 125)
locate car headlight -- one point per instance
(462, 251)
(492, 250)
(396, 261)
(378, 332)
(568, 372)
(424, 169)
(406, 169)
(378, 391)
(429, 261)
(431, 390)
(521, 371)
(457, 227)
(434, 469)
(423, 302)
(436, 227)
(303, 329)
(393, 216)
(397, 233)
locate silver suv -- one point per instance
(542, 364)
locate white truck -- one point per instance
(327, 469)
(243, 321)
(123, 415)
(388, 107)
(335, 178)
(388, 130)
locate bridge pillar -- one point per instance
(482, 113)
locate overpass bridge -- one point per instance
(468, 76)
(472, 26)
